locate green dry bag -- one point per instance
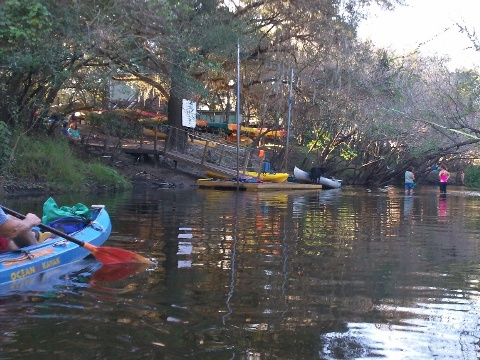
(52, 212)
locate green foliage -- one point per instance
(348, 176)
(116, 123)
(98, 173)
(54, 163)
(320, 142)
(46, 160)
(23, 21)
(344, 151)
(347, 153)
(383, 129)
(66, 52)
(427, 146)
(472, 177)
(5, 149)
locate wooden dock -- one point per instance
(265, 186)
(198, 151)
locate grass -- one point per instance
(54, 163)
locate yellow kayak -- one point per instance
(267, 177)
(204, 142)
(244, 141)
(151, 133)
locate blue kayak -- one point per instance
(21, 265)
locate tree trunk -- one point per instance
(176, 132)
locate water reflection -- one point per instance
(442, 207)
(408, 207)
(338, 274)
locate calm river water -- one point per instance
(337, 274)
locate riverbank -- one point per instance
(140, 174)
(166, 174)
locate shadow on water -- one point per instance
(337, 274)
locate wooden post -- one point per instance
(247, 159)
(155, 132)
(221, 156)
(185, 142)
(85, 143)
(167, 142)
(204, 152)
(155, 155)
(260, 170)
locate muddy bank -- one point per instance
(141, 175)
(165, 174)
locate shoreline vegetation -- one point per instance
(54, 166)
(282, 71)
(51, 166)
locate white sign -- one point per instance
(189, 113)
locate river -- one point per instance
(353, 273)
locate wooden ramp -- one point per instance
(231, 185)
(191, 160)
(190, 148)
(210, 154)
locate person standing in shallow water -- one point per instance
(443, 177)
(409, 181)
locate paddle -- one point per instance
(117, 272)
(106, 255)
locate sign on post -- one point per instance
(189, 113)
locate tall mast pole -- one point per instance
(290, 100)
(238, 115)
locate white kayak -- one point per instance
(304, 177)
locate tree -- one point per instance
(360, 110)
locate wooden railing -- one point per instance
(209, 153)
(199, 149)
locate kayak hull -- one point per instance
(301, 176)
(304, 177)
(20, 266)
(267, 177)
